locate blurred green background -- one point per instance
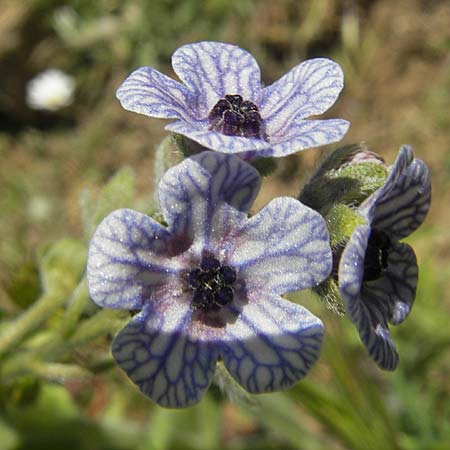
(58, 386)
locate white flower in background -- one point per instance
(50, 90)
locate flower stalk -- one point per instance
(30, 320)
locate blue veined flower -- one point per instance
(378, 274)
(223, 106)
(208, 285)
(50, 90)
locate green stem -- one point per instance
(75, 307)
(58, 372)
(30, 320)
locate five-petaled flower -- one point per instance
(208, 285)
(223, 106)
(377, 274)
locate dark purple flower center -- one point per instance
(235, 116)
(375, 260)
(212, 284)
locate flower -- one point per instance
(223, 106)
(378, 274)
(208, 285)
(50, 90)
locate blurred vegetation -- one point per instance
(58, 385)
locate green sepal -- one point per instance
(341, 156)
(348, 175)
(158, 216)
(265, 166)
(323, 192)
(186, 146)
(229, 387)
(328, 291)
(369, 177)
(341, 221)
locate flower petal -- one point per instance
(211, 70)
(397, 286)
(309, 133)
(401, 204)
(207, 193)
(149, 92)
(369, 312)
(128, 260)
(308, 89)
(272, 345)
(220, 142)
(168, 365)
(283, 248)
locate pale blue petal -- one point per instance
(404, 159)
(283, 248)
(129, 258)
(157, 353)
(218, 141)
(204, 196)
(370, 309)
(149, 92)
(272, 344)
(400, 206)
(397, 286)
(211, 70)
(307, 134)
(306, 90)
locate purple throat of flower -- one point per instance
(211, 284)
(377, 252)
(375, 260)
(234, 116)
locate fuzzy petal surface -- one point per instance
(205, 195)
(283, 248)
(128, 260)
(400, 206)
(306, 90)
(159, 355)
(272, 345)
(397, 286)
(149, 92)
(211, 70)
(221, 142)
(372, 305)
(307, 134)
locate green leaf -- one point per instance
(118, 193)
(105, 322)
(24, 286)
(278, 413)
(62, 265)
(9, 438)
(167, 155)
(159, 434)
